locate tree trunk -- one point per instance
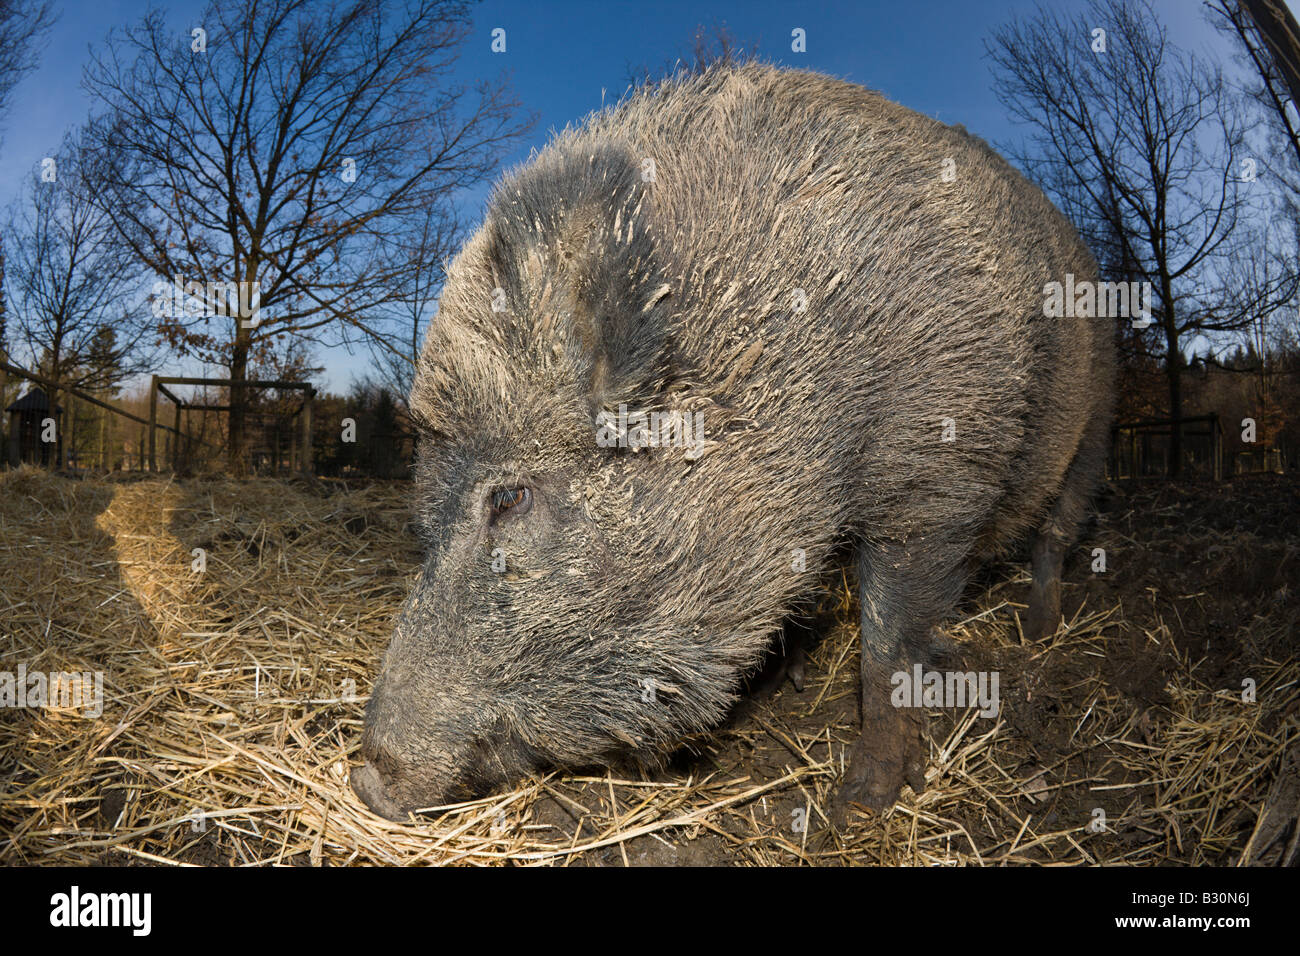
(1174, 373)
(1174, 370)
(71, 449)
(1281, 35)
(237, 451)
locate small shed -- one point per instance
(26, 418)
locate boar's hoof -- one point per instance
(1040, 623)
(794, 667)
(888, 754)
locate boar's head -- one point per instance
(574, 601)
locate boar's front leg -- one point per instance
(905, 590)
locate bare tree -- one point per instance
(1267, 39)
(1269, 55)
(1253, 279)
(710, 44)
(72, 284)
(1279, 67)
(279, 146)
(423, 255)
(23, 23)
(1139, 142)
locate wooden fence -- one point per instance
(180, 445)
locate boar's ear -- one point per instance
(574, 231)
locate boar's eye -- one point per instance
(517, 501)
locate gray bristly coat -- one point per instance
(843, 301)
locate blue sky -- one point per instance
(562, 57)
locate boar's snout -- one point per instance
(415, 759)
(402, 771)
(369, 786)
(393, 789)
(393, 786)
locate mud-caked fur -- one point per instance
(851, 296)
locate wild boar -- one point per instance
(834, 308)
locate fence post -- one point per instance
(176, 439)
(70, 434)
(153, 421)
(307, 395)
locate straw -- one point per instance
(228, 732)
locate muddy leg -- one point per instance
(794, 666)
(1061, 529)
(789, 658)
(904, 594)
(1044, 614)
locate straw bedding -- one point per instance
(233, 699)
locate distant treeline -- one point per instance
(365, 433)
(1244, 385)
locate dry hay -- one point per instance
(228, 730)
